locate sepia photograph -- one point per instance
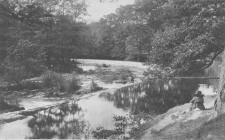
(112, 69)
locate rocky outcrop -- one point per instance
(213, 129)
(181, 123)
(178, 123)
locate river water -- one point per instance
(80, 119)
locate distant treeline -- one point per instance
(182, 36)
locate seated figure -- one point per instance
(197, 101)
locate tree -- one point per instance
(185, 35)
(131, 48)
(118, 28)
(23, 61)
(188, 33)
(58, 36)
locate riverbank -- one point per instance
(180, 123)
(121, 109)
(104, 76)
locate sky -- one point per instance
(97, 9)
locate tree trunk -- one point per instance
(220, 101)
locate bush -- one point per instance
(105, 65)
(121, 76)
(157, 71)
(101, 133)
(94, 86)
(72, 85)
(124, 74)
(60, 58)
(79, 70)
(54, 80)
(91, 72)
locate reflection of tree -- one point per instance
(153, 96)
(62, 122)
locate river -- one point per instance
(83, 118)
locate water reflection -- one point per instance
(63, 122)
(137, 103)
(75, 120)
(155, 97)
(80, 119)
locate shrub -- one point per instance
(94, 86)
(53, 80)
(61, 58)
(91, 72)
(57, 81)
(101, 133)
(105, 65)
(72, 85)
(79, 70)
(158, 71)
(124, 74)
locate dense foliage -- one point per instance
(180, 36)
(184, 35)
(38, 35)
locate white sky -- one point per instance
(97, 9)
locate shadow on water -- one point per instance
(106, 114)
(63, 122)
(154, 97)
(151, 97)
